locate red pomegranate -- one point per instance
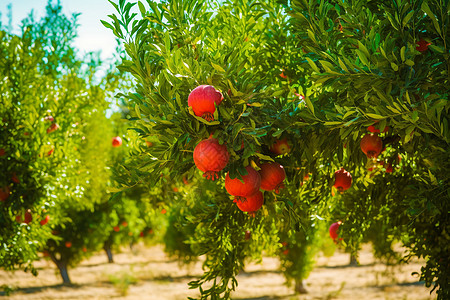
(342, 180)
(252, 183)
(373, 129)
(389, 168)
(334, 230)
(28, 217)
(371, 145)
(4, 193)
(422, 46)
(45, 220)
(272, 176)
(203, 100)
(251, 203)
(2, 152)
(52, 128)
(14, 178)
(210, 157)
(280, 147)
(116, 141)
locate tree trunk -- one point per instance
(353, 260)
(107, 248)
(62, 266)
(300, 287)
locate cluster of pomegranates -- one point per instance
(211, 157)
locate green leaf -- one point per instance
(374, 116)
(363, 49)
(407, 18)
(409, 62)
(264, 157)
(436, 48)
(426, 9)
(362, 57)
(332, 123)
(309, 104)
(313, 65)
(394, 67)
(142, 8)
(432, 178)
(342, 65)
(218, 68)
(402, 53)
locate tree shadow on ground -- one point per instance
(346, 266)
(244, 273)
(284, 297)
(37, 289)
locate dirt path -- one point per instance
(149, 274)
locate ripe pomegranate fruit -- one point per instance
(116, 141)
(280, 147)
(334, 230)
(272, 176)
(342, 180)
(2, 152)
(203, 100)
(210, 157)
(68, 244)
(116, 228)
(28, 217)
(252, 183)
(422, 46)
(371, 145)
(373, 129)
(251, 203)
(52, 128)
(4, 193)
(389, 168)
(14, 178)
(45, 220)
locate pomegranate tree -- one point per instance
(210, 157)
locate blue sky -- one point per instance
(92, 34)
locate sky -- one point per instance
(92, 35)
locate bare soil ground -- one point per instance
(147, 273)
